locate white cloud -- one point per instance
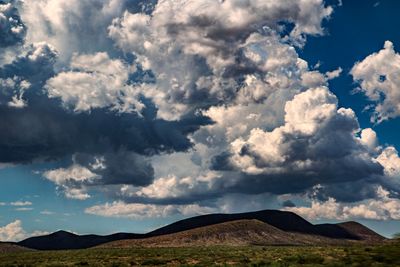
(74, 173)
(95, 81)
(71, 180)
(378, 75)
(260, 101)
(21, 203)
(71, 25)
(333, 74)
(308, 141)
(390, 160)
(193, 47)
(141, 211)
(47, 212)
(24, 209)
(369, 138)
(383, 207)
(175, 187)
(76, 193)
(14, 232)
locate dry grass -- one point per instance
(355, 255)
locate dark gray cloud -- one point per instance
(36, 64)
(288, 203)
(12, 29)
(140, 6)
(48, 132)
(44, 131)
(36, 127)
(119, 167)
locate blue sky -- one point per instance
(354, 32)
(118, 116)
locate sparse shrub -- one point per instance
(260, 264)
(309, 259)
(154, 262)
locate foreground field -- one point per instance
(383, 255)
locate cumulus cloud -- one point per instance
(103, 88)
(369, 138)
(39, 128)
(65, 24)
(14, 232)
(38, 124)
(390, 160)
(378, 76)
(140, 211)
(175, 189)
(199, 50)
(67, 178)
(122, 168)
(95, 81)
(383, 207)
(306, 148)
(168, 107)
(33, 65)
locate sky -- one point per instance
(127, 115)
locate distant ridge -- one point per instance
(65, 240)
(287, 223)
(8, 247)
(361, 231)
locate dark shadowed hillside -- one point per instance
(362, 232)
(65, 240)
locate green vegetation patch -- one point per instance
(357, 255)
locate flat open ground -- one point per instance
(382, 255)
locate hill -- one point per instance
(283, 220)
(234, 233)
(65, 240)
(283, 224)
(6, 247)
(362, 232)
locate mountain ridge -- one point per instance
(284, 221)
(232, 233)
